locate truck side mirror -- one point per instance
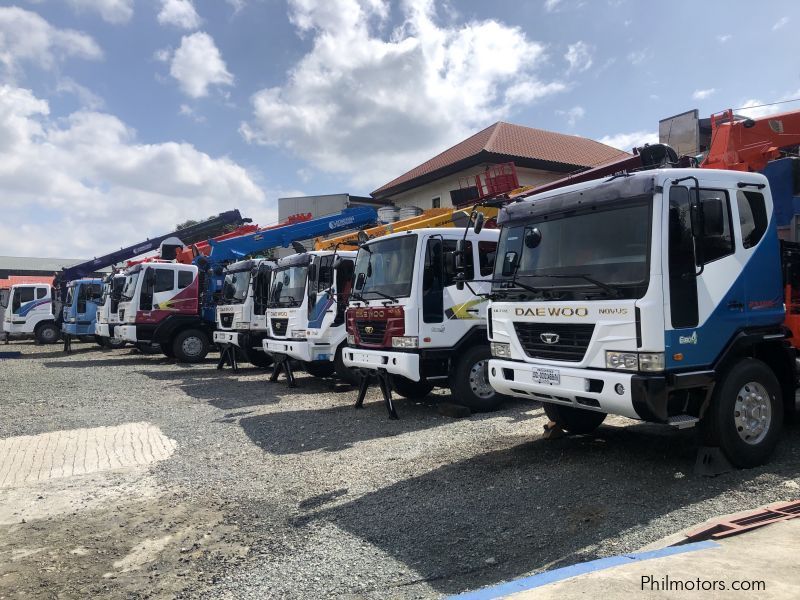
(460, 259)
(312, 272)
(510, 263)
(361, 280)
(478, 222)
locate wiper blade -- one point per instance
(387, 296)
(291, 298)
(523, 286)
(595, 282)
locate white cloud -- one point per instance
(180, 13)
(237, 5)
(722, 38)
(86, 97)
(371, 108)
(63, 182)
(637, 57)
(756, 108)
(27, 37)
(703, 94)
(579, 56)
(627, 141)
(573, 115)
(551, 5)
(780, 23)
(112, 11)
(190, 113)
(197, 65)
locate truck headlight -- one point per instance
(635, 361)
(351, 339)
(298, 334)
(405, 342)
(501, 350)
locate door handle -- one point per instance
(735, 305)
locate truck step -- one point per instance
(682, 421)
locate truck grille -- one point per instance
(226, 320)
(279, 326)
(570, 345)
(371, 332)
(122, 315)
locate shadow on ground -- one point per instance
(545, 503)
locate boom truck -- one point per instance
(242, 323)
(175, 305)
(77, 296)
(27, 311)
(657, 295)
(409, 323)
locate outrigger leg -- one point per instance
(283, 363)
(384, 383)
(67, 343)
(227, 356)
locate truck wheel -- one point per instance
(746, 414)
(344, 373)
(166, 350)
(413, 390)
(100, 341)
(469, 380)
(147, 348)
(190, 346)
(46, 333)
(574, 420)
(319, 368)
(115, 344)
(262, 360)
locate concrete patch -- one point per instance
(31, 459)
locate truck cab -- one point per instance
(160, 306)
(410, 318)
(242, 314)
(655, 295)
(306, 312)
(107, 313)
(80, 307)
(28, 311)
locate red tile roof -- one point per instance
(18, 279)
(556, 151)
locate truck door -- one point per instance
(88, 296)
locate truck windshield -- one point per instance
(601, 252)
(387, 267)
(70, 295)
(236, 285)
(130, 286)
(288, 285)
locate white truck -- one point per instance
(107, 313)
(410, 322)
(655, 295)
(306, 312)
(242, 314)
(29, 312)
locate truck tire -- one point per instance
(469, 381)
(746, 414)
(574, 420)
(114, 343)
(166, 350)
(190, 346)
(413, 390)
(345, 374)
(148, 348)
(319, 368)
(46, 333)
(257, 358)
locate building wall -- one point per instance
(423, 195)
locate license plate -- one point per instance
(549, 376)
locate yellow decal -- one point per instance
(461, 311)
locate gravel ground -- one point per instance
(272, 492)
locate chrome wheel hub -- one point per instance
(192, 346)
(752, 413)
(479, 380)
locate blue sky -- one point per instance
(119, 118)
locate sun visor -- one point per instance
(609, 191)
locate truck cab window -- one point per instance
(752, 216)
(682, 279)
(41, 293)
(486, 255)
(165, 280)
(717, 240)
(185, 279)
(21, 296)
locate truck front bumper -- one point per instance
(605, 391)
(222, 336)
(103, 330)
(296, 349)
(405, 364)
(125, 333)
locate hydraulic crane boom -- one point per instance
(749, 144)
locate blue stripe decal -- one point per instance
(26, 308)
(534, 581)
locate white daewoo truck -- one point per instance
(655, 295)
(306, 313)
(412, 325)
(242, 314)
(30, 313)
(107, 313)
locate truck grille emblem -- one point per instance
(369, 329)
(549, 338)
